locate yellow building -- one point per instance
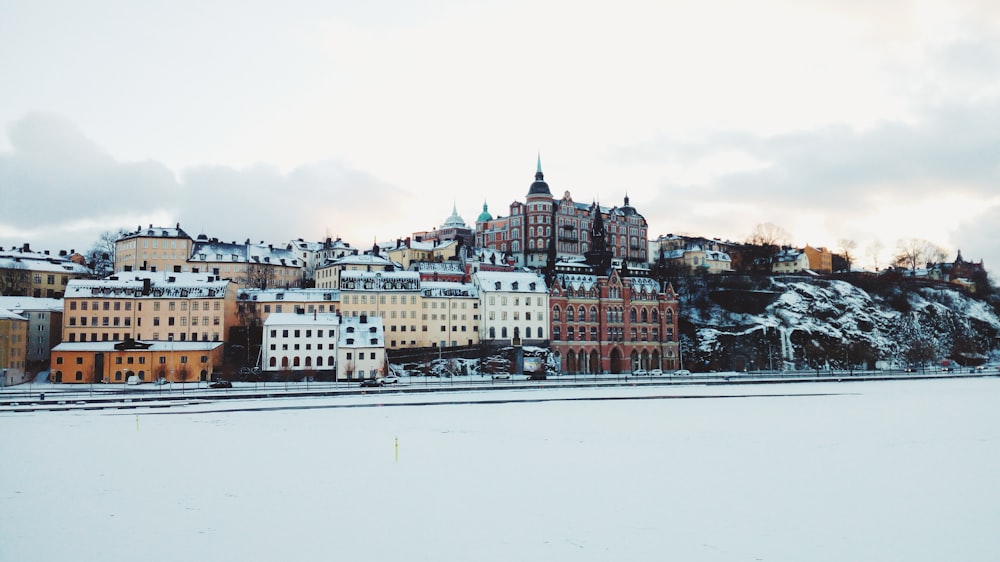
(450, 315)
(145, 305)
(13, 348)
(328, 275)
(254, 306)
(153, 249)
(407, 252)
(258, 266)
(820, 259)
(37, 274)
(393, 296)
(115, 362)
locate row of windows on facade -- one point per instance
(49, 279)
(297, 361)
(127, 321)
(127, 305)
(119, 376)
(614, 334)
(131, 359)
(614, 315)
(539, 333)
(113, 336)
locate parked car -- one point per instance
(536, 376)
(371, 382)
(391, 379)
(656, 372)
(682, 372)
(640, 372)
(503, 376)
(220, 384)
(132, 379)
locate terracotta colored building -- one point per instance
(613, 324)
(115, 362)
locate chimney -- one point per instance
(364, 319)
(146, 286)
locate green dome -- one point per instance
(485, 215)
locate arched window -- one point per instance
(668, 316)
(284, 362)
(593, 314)
(309, 361)
(631, 315)
(330, 362)
(583, 314)
(295, 362)
(656, 316)
(556, 332)
(555, 313)
(569, 314)
(503, 332)
(527, 332)
(541, 333)
(319, 360)
(642, 315)
(273, 362)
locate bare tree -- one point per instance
(874, 253)
(15, 280)
(915, 252)
(769, 234)
(847, 247)
(101, 256)
(259, 276)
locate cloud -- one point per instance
(62, 189)
(54, 174)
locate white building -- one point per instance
(361, 349)
(513, 303)
(790, 260)
(352, 347)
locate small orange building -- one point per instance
(115, 362)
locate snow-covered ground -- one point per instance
(881, 471)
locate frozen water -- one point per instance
(829, 472)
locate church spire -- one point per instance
(538, 171)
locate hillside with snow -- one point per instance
(773, 323)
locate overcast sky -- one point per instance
(832, 119)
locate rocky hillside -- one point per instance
(739, 322)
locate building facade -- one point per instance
(613, 324)
(153, 249)
(514, 305)
(532, 225)
(145, 305)
(114, 362)
(44, 327)
(13, 348)
(38, 274)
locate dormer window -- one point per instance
(497, 286)
(218, 257)
(531, 286)
(514, 285)
(350, 341)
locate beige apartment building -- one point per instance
(38, 274)
(255, 306)
(328, 275)
(153, 249)
(393, 296)
(450, 315)
(13, 348)
(145, 305)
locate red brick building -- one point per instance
(613, 324)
